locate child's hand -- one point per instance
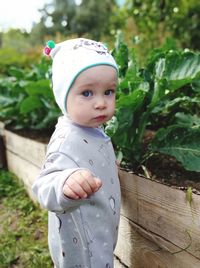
(81, 184)
(117, 162)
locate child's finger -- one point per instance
(69, 193)
(84, 180)
(118, 162)
(94, 182)
(73, 183)
(98, 183)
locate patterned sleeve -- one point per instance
(48, 185)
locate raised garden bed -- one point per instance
(159, 226)
(24, 157)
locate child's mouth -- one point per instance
(100, 118)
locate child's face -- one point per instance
(91, 99)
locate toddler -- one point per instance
(78, 183)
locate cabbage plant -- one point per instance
(163, 96)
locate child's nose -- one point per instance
(100, 103)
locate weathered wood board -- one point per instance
(163, 216)
(24, 158)
(29, 150)
(137, 248)
(24, 170)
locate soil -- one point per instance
(160, 168)
(168, 171)
(39, 135)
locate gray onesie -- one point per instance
(82, 233)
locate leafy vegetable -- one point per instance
(26, 98)
(162, 96)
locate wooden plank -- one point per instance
(30, 150)
(136, 251)
(163, 211)
(26, 171)
(117, 264)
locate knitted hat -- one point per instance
(70, 58)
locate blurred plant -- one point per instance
(86, 17)
(16, 49)
(162, 96)
(156, 20)
(26, 98)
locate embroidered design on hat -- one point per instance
(92, 45)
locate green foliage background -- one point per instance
(146, 24)
(158, 60)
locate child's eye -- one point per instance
(109, 92)
(87, 93)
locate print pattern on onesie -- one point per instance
(103, 150)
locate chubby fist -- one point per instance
(81, 184)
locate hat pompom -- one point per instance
(49, 46)
(47, 51)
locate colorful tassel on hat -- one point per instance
(49, 46)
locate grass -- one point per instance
(23, 228)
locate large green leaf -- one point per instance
(40, 87)
(158, 92)
(29, 104)
(16, 72)
(196, 85)
(133, 100)
(5, 101)
(167, 105)
(49, 120)
(181, 142)
(187, 119)
(124, 123)
(179, 68)
(111, 126)
(121, 54)
(182, 65)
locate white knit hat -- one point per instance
(70, 58)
